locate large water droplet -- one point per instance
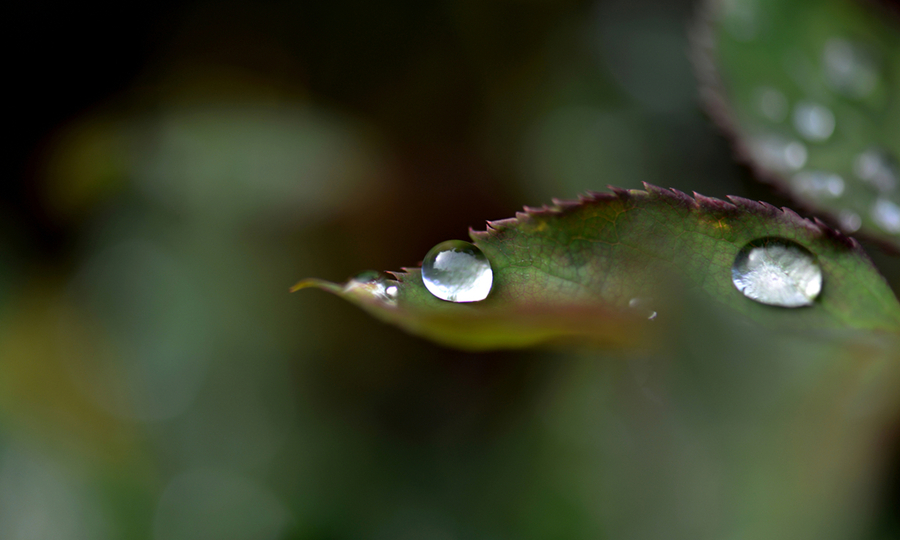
(457, 271)
(815, 122)
(777, 272)
(849, 68)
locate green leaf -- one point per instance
(810, 90)
(613, 267)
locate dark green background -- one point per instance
(175, 167)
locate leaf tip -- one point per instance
(313, 283)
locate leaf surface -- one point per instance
(613, 267)
(810, 90)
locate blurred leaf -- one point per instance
(600, 267)
(86, 163)
(230, 162)
(38, 395)
(810, 91)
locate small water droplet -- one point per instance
(878, 168)
(772, 104)
(780, 154)
(640, 304)
(849, 68)
(887, 215)
(813, 121)
(850, 221)
(375, 283)
(367, 276)
(457, 271)
(818, 184)
(777, 272)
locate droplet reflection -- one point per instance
(642, 305)
(777, 272)
(457, 271)
(377, 284)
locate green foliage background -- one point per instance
(158, 381)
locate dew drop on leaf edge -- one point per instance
(777, 272)
(378, 284)
(457, 271)
(367, 276)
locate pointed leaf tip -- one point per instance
(315, 283)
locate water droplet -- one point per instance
(777, 272)
(887, 215)
(377, 284)
(367, 276)
(879, 168)
(818, 184)
(457, 271)
(641, 304)
(813, 121)
(850, 221)
(772, 104)
(780, 154)
(849, 68)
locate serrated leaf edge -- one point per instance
(695, 203)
